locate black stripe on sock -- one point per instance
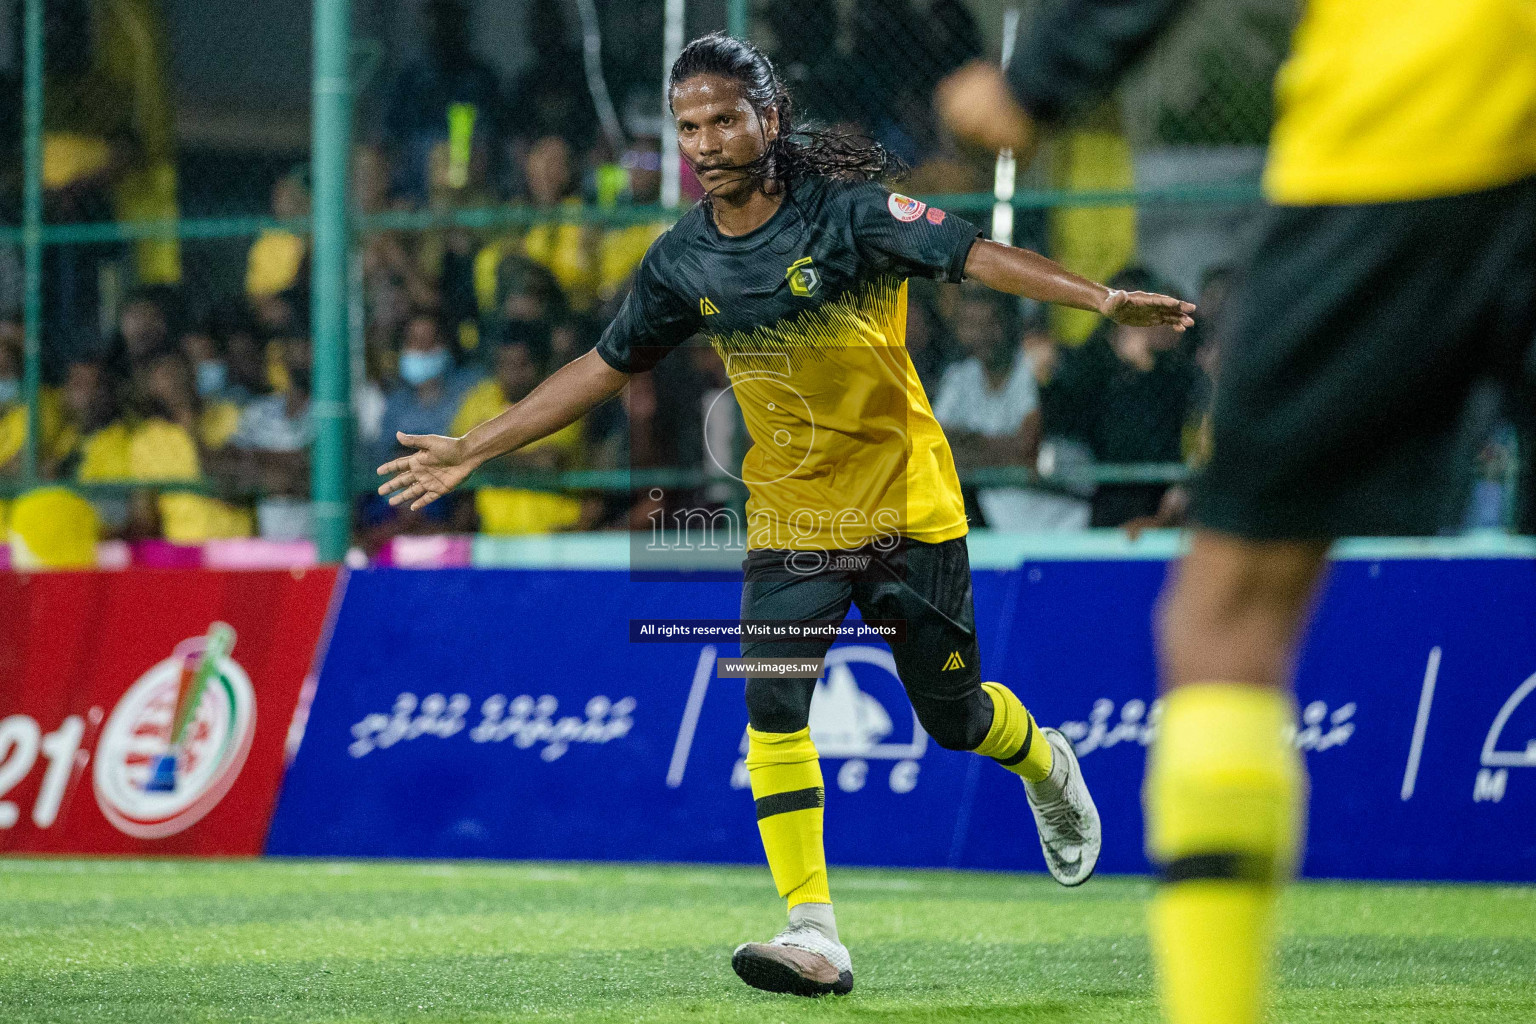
(1222, 867)
(1029, 739)
(794, 800)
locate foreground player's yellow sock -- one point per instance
(1014, 741)
(786, 783)
(1225, 798)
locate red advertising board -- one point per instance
(147, 711)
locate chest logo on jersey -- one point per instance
(803, 277)
(707, 308)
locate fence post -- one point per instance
(736, 14)
(32, 231)
(330, 405)
(671, 46)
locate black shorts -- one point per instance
(928, 586)
(1351, 367)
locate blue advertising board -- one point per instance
(505, 713)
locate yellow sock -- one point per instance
(786, 783)
(1014, 741)
(1225, 799)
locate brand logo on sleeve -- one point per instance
(803, 277)
(935, 215)
(904, 208)
(707, 308)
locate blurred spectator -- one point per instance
(90, 140)
(1129, 393)
(431, 387)
(94, 410)
(446, 256)
(507, 510)
(430, 391)
(164, 442)
(277, 266)
(569, 250)
(233, 333)
(522, 301)
(13, 411)
(811, 67)
(990, 411)
(143, 332)
(927, 337)
(168, 389)
(448, 96)
(550, 97)
(620, 249)
(270, 450)
(394, 282)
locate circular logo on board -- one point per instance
(150, 783)
(904, 208)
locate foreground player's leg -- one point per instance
(806, 958)
(1225, 794)
(1065, 816)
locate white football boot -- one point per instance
(800, 960)
(1070, 834)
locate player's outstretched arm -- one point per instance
(1022, 272)
(440, 464)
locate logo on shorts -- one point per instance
(803, 277)
(935, 215)
(953, 662)
(904, 208)
(217, 724)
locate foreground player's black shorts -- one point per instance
(928, 586)
(1352, 364)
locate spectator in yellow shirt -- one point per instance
(569, 250)
(13, 411)
(278, 260)
(621, 249)
(164, 444)
(508, 510)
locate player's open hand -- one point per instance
(435, 468)
(976, 104)
(1147, 309)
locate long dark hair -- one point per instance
(800, 150)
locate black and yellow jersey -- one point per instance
(808, 313)
(1379, 100)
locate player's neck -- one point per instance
(750, 212)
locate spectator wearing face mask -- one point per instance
(220, 414)
(430, 390)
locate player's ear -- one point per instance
(771, 123)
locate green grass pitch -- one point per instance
(277, 941)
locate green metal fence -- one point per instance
(1162, 172)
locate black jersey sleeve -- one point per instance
(897, 234)
(652, 320)
(1071, 56)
